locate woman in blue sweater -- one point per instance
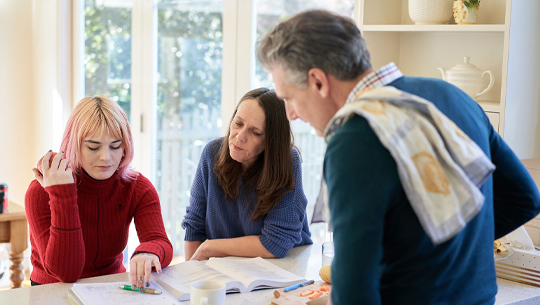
(247, 197)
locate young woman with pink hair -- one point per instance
(84, 198)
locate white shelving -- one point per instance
(434, 28)
(491, 106)
(418, 50)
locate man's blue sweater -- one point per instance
(383, 255)
(210, 216)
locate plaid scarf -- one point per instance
(439, 166)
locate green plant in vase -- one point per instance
(471, 4)
(466, 11)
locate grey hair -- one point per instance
(315, 39)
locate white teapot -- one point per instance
(468, 78)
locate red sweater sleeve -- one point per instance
(149, 223)
(55, 228)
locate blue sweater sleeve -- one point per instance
(283, 225)
(194, 220)
(361, 176)
(515, 195)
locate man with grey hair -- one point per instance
(414, 206)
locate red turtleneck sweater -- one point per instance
(81, 231)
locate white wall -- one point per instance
(17, 121)
(33, 107)
(523, 85)
(51, 110)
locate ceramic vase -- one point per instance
(463, 14)
(430, 11)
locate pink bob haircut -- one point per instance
(93, 117)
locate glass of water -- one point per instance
(327, 253)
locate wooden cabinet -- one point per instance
(14, 229)
(502, 40)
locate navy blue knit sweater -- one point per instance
(383, 255)
(210, 216)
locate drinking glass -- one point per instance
(327, 253)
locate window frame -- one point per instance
(239, 39)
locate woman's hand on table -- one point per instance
(202, 252)
(55, 171)
(141, 268)
(248, 246)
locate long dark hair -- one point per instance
(271, 175)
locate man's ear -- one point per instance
(318, 80)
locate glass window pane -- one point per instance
(312, 147)
(107, 62)
(272, 12)
(190, 44)
(107, 50)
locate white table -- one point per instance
(304, 261)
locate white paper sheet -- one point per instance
(110, 294)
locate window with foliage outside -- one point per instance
(312, 147)
(190, 44)
(107, 50)
(189, 36)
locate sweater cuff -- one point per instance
(194, 234)
(272, 247)
(152, 248)
(64, 208)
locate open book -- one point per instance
(238, 274)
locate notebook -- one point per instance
(238, 274)
(110, 294)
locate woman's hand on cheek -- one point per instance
(55, 171)
(141, 268)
